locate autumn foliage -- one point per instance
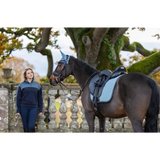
(18, 66)
(11, 39)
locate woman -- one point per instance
(29, 100)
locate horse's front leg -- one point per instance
(101, 124)
(90, 117)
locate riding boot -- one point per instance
(32, 132)
(26, 132)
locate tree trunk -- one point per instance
(97, 46)
(41, 47)
(48, 53)
(100, 48)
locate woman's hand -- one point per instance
(18, 114)
(40, 113)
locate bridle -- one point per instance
(61, 78)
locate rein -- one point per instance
(82, 87)
(61, 77)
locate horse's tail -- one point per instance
(153, 110)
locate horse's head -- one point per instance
(62, 70)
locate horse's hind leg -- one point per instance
(90, 120)
(137, 126)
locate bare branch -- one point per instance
(154, 71)
(44, 40)
(115, 34)
(135, 46)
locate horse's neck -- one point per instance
(81, 74)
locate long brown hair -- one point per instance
(24, 74)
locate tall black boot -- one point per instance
(32, 132)
(26, 133)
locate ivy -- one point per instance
(111, 50)
(119, 44)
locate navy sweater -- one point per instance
(29, 95)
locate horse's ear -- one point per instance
(63, 55)
(65, 58)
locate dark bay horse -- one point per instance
(135, 95)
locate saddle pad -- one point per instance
(107, 91)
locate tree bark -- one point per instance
(48, 53)
(135, 46)
(92, 49)
(100, 45)
(44, 40)
(149, 65)
(115, 34)
(40, 47)
(92, 43)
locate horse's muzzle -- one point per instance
(53, 81)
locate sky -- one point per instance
(40, 62)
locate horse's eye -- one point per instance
(59, 65)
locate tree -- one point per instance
(105, 44)
(97, 45)
(18, 66)
(39, 38)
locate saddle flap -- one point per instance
(92, 83)
(98, 81)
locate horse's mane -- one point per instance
(83, 64)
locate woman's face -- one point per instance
(29, 74)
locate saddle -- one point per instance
(97, 83)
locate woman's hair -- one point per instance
(24, 74)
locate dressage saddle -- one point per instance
(99, 80)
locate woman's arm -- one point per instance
(18, 99)
(40, 101)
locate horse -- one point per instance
(135, 95)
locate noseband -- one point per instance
(60, 76)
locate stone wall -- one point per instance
(68, 117)
(4, 109)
